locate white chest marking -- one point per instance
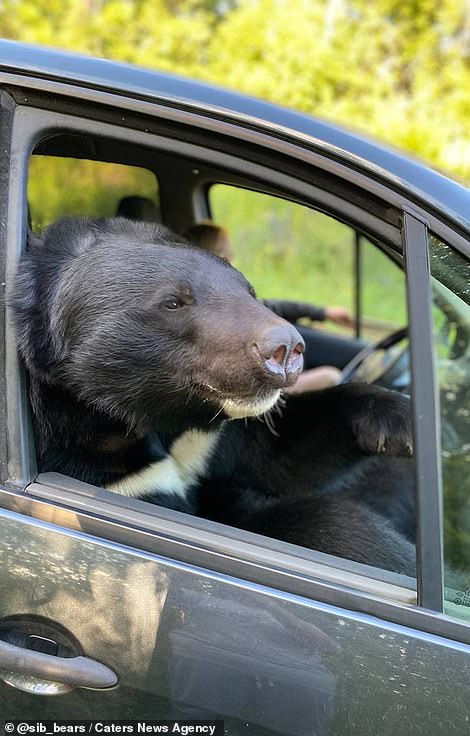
(186, 462)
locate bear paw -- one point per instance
(383, 424)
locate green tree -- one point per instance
(399, 71)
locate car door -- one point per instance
(175, 617)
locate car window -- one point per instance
(289, 251)
(65, 186)
(451, 316)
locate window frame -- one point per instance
(6, 128)
(288, 579)
(429, 508)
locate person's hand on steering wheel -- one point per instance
(293, 311)
(340, 315)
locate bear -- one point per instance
(319, 464)
(150, 362)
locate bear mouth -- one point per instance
(239, 407)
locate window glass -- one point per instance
(451, 314)
(66, 186)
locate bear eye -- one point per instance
(173, 303)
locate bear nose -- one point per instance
(281, 349)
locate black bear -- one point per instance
(139, 348)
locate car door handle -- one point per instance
(73, 671)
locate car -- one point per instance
(129, 611)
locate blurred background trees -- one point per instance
(397, 70)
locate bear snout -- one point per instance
(280, 350)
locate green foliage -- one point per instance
(398, 70)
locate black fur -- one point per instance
(131, 338)
(310, 477)
(115, 376)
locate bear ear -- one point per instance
(30, 302)
(32, 240)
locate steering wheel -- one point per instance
(379, 363)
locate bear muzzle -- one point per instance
(280, 351)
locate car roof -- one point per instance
(431, 188)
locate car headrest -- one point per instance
(138, 208)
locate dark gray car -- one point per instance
(122, 610)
